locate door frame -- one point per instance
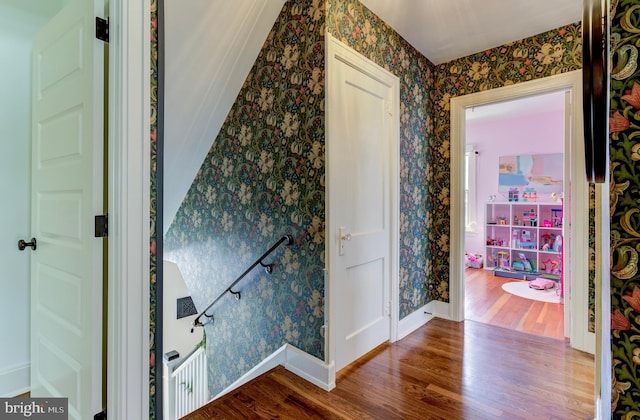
(579, 336)
(336, 50)
(129, 169)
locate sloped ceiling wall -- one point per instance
(201, 84)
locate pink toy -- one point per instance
(541, 283)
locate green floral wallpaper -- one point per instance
(420, 240)
(153, 207)
(262, 178)
(624, 127)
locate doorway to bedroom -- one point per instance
(514, 214)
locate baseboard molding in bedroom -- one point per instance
(15, 380)
(420, 317)
(295, 360)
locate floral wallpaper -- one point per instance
(553, 52)
(624, 128)
(421, 280)
(262, 178)
(153, 208)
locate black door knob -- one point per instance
(22, 244)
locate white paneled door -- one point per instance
(360, 149)
(67, 191)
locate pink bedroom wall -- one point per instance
(534, 134)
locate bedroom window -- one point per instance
(470, 188)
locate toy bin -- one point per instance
(473, 260)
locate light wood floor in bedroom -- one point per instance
(486, 302)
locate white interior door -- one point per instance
(67, 176)
(360, 145)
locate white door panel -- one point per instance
(360, 139)
(67, 171)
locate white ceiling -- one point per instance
(443, 30)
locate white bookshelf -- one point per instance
(524, 237)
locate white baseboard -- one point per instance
(294, 360)
(413, 321)
(15, 380)
(440, 310)
(585, 341)
(311, 368)
(277, 358)
(420, 317)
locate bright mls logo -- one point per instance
(34, 408)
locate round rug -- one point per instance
(522, 289)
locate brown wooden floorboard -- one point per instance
(444, 370)
(486, 302)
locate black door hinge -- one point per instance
(102, 226)
(102, 29)
(101, 415)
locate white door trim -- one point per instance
(336, 50)
(129, 209)
(579, 336)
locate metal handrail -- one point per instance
(268, 268)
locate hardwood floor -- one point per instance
(444, 370)
(486, 302)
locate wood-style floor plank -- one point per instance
(444, 370)
(487, 302)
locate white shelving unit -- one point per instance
(524, 237)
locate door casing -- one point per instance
(580, 337)
(128, 354)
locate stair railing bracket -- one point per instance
(267, 267)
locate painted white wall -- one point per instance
(519, 135)
(177, 333)
(16, 30)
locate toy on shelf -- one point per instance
(492, 259)
(526, 240)
(529, 218)
(530, 195)
(551, 266)
(545, 242)
(556, 217)
(503, 260)
(496, 241)
(514, 194)
(526, 262)
(557, 244)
